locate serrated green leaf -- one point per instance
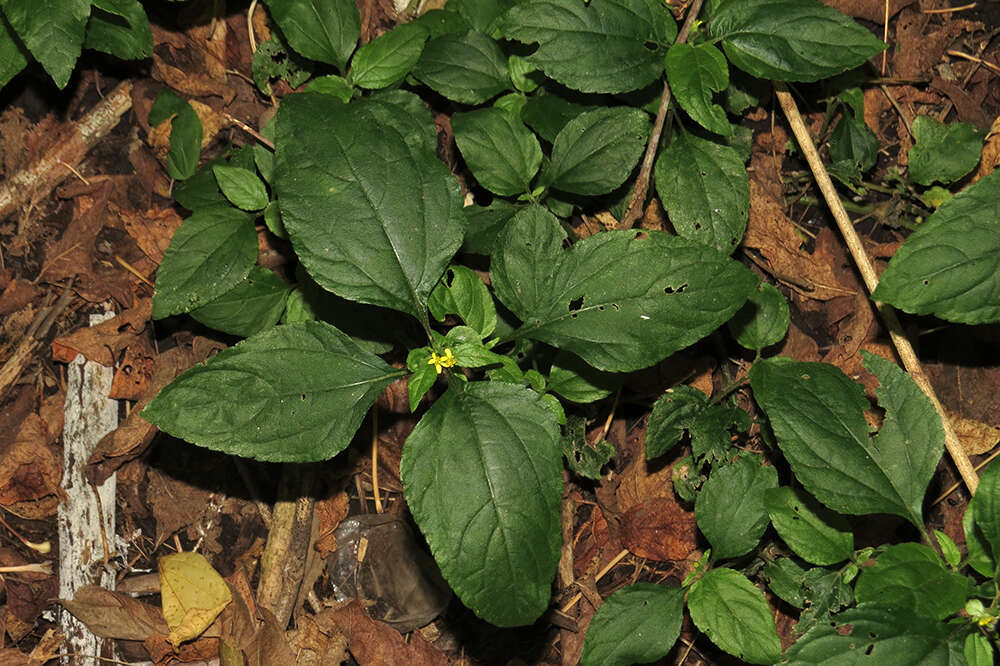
(609, 47)
(462, 292)
(481, 15)
(813, 532)
(791, 40)
(210, 253)
(469, 67)
(672, 415)
(818, 591)
(51, 30)
(389, 57)
(293, 393)
(695, 72)
(333, 85)
(952, 555)
(251, 306)
(704, 188)
(763, 320)
(582, 458)
(274, 59)
(596, 151)
(986, 511)
(943, 152)
(730, 508)
(678, 291)
(978, 650)
(912, 576)
(501, 152)
(548, 113)
(870, 634)
(241, 187)
(576, 381)
(637, 624)
(484, 223)
(950, 266)
(121, 28)
(373, 216)
(817, 413)
(324, 30)
(12, 53)
(440, 22)
(482, 474)
(733, 613)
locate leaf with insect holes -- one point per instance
(677, 290)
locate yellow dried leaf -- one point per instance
(976, 437)
(193, 595)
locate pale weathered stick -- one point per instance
(868, 274)
(38, 179)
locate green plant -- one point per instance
(55, 33)
(377, 223)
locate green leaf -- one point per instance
(482, 474)
(950, 266)
(462, 292)
(677, 290)
(274, 59)
(812, 531)
(952, 555)
(373, 215)
(582, 458)
(324, 30)
(695, 72)
(986, 510)
(733, 613)
(423, 377)
(484, 223)
(439, 22)
(612, 46)
(704, 187)
(121, 28)
(853, 142)
(469, 68)
(251, 306)
(818, 591)
(263, 159)
(389, 57)
(978, 650)
(211, 252)
(333, 85)
(576, 381)
(481, 15)
(979, 557)
(870, 634)
(791, 40)
(943, 152)
(294, 393)
(912, 576)
(637, 624)
(501, 152)
(730, 508)
(242, 187)
(596, 151)
(548, 113)
(763, 320)
(185, 132)
(51, 30)
(673, 413)
(12, 53)
(817, 413)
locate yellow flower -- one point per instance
(446, 360)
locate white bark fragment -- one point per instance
(85, 528)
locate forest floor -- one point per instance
(92, 244)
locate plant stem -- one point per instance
(864, 264)
(635, 206)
